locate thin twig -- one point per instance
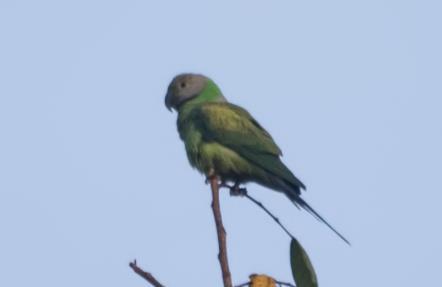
(284, 284)
(146, 275)
(221, 232)
(235, 190)
(276, 219)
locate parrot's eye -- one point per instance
(183, 85)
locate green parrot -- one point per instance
(222, 139)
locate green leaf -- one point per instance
(302, 268)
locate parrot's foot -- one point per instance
(235, 190)
(238, 191)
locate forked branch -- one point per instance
(221, 233)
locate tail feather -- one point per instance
(293, 192)
(297, 200)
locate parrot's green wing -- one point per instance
(235, 128)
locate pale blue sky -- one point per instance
(93, 174)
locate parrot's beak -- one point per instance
(168, 100)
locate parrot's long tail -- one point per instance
(297, 200)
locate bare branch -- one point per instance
(221, 232)
(146, 275)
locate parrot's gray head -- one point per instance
(185, 87)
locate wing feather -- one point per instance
(233, 127)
